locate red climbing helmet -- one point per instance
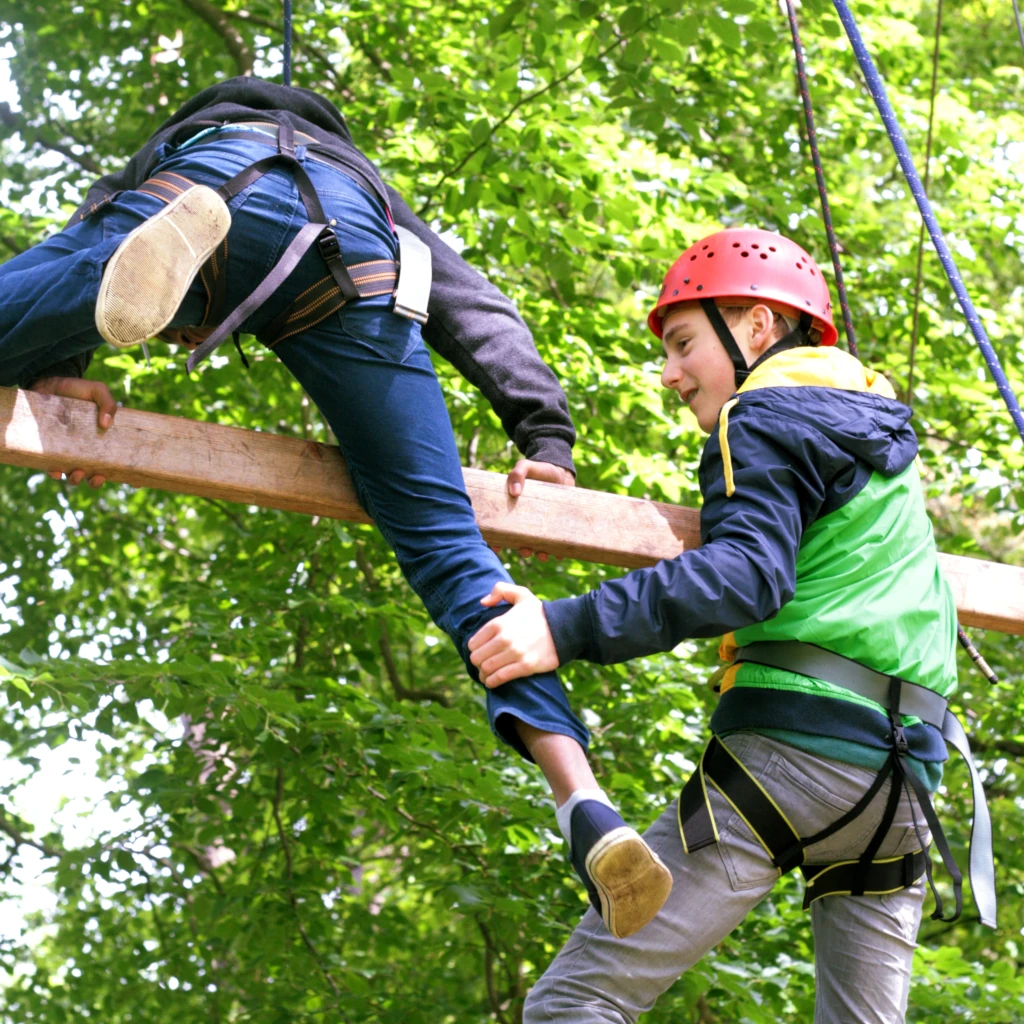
(748, 264)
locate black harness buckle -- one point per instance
(328, 245)
(899, 738)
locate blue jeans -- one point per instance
(366, 368)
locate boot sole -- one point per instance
(631, 881)
(150, 273)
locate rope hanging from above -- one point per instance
(878, 94)
(819, 174)
(927, 176)
(287, 77)
(812, 138)
(1020, 28)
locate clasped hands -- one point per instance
(516, 644)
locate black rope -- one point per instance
(927, 178)
(1020, 28)
(826, 212)
(287, 42)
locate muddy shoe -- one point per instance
(147, 278)
(625, 878)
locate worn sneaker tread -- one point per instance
(150, 272)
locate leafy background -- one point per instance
(317, 824)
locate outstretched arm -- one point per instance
(478, 330)
(744, 573)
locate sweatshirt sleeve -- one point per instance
(743, 573)
(478, 330)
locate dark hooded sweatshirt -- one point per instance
(813, 528)
(471, 323)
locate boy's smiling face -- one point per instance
(698, 368)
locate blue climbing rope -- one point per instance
(878, 94)
(287, 42)
(1020, 27)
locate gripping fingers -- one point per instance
(498, 661)
(481, 637)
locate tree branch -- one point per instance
(36, 136)
(490, 954)
(286, 847)
(233, 39)
(20, 839)
(402, 692)
(521, 102)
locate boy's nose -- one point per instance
(669, 375)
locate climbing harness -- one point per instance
(867, 875)
(413, 255)
(408, 278)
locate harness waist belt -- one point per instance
(817, 663)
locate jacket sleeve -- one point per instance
(478, 330)
(743, 573)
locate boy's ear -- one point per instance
(762, 322)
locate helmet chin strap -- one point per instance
(800, 335)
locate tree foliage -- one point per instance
(321, 826)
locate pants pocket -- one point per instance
(810, 802)
(390, 336)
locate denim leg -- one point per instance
(369, 373)
(372, 378)
(48, 300)
(48, 293)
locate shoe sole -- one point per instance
(631, 881)
(150, 273)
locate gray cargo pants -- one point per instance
(863, 945)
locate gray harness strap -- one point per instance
(915, 700)
(818, 663)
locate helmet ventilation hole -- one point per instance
(744, 253)
(764, 255)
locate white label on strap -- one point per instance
(414, 276)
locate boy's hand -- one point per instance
(89, 391)
(527, 469)
(516, 644)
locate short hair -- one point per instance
(781, 324)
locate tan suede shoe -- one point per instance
(147, 278)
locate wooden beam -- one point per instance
(146, 449)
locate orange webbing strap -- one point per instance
(319, 301)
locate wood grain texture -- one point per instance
(146, 449)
